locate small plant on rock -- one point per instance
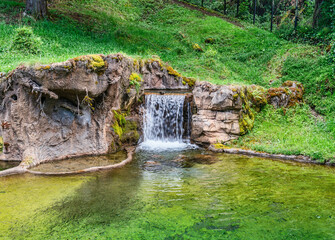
(134, 80)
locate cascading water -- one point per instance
(163, 121)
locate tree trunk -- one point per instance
(255, 9)
(296, 15)
(272, 14)
(37, 8)
(225, 7)
(238, 8)
(317, 10)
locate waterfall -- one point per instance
(163, 123)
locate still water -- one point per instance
(191, 194)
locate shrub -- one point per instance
(25, 41)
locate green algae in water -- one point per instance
(213, 196)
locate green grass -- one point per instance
(294, 131)
(144, 28)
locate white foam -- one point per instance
(160, 146)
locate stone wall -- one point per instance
(223, 113)
(218, 113)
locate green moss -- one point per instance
(257, 97)
(189, 81)
(127, 130)
(173, 72)
(96, 63)
(220, 146)
(246, 121)
(43, 67)
(130, 133)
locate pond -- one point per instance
(190, 194)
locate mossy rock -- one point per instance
(246, 121)
(257, 97)
(220, 146)
(126, 130)
(94, 62)
(189, 81)
(173, 72)
(130, 133)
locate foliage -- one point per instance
(119, 123)
(25, 41)
(89, 102)
(135, 80)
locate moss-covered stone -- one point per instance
(97, 63)
(189, 81)
(220, 146)
(257, 97)
(130, 133)
(43, 67)
(246, 121)
(94, 62)
(119, 123)
(173, 72)
(127, 130)
(288, 95)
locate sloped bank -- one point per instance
(90, 105)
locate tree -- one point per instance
(37, 8)
(316, 14)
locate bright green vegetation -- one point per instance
(230, 54)
(294, 131)
(227, 197)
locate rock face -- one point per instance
(218, 113)
(76, 107)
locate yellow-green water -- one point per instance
(180, 195)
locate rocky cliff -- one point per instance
(86, 105)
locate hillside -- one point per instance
(205, 47)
